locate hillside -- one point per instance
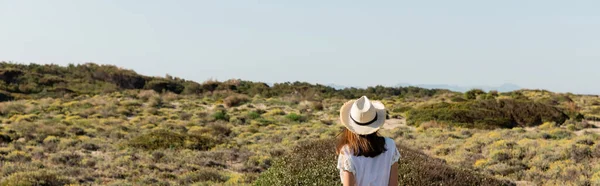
(99, 124)
(19, 81)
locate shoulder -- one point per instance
(346, 151)
(390, 143)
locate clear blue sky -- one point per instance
(550, 44)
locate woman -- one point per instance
(364, 157)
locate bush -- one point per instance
(90, 146)
(201, 142)
(560, 134)
(472, 94)
(235, 100)
(401, 109)
(67, 158)
(160, 85)
(220, 115)
(313, 163)
(295, 117)
(12, 107)
(416, 168)
(253, 115)
(41, 177)
(4, 138)
(158, 139)
(487, 114)
(318, 106)
(202, 175)
(18, 156)
(309, 164)
(5, 96)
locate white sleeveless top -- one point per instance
(369, 171)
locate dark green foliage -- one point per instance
(158, 139)
(295, 117)
(201, 142)
(517, 95)
(10, 75)
(416, 168)
(254, 88)
(401, 109)
(165, 85)
(560, 134)
(5, 96)
(313, 163)
(52, 80)
(458, 99)
(67, 158)
(505, 113)
(90, 146)
(253, 115)
(220, 115)
(36, 178)
(310, 163)
(192, 88)
(35, 81)
(472, 94)
(202, 175)
(5, 138)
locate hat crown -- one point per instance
(363, 111)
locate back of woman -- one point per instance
(369, 170)
(364, 157)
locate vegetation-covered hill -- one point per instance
(98, 124)
(35, 81)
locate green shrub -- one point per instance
(309, 164)
(160, 85)
(401, 109)
(18, 156)
(253, 115)
(41, 177)
(12, 107)
(472, 94)
(416, 168)
(67, 158)
(560, 134)
(5, 138)
(51, 139)
(90, 146)
(313, 163)
(220, 115)
(457, 99)
(201, 142)
(295, 117)
(5, 96)
(235, 100)
(202, 175)
(487, 114)
(158, 139)
(571, 127)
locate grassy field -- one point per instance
(232, 136)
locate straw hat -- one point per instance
(363, 116)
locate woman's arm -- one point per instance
(348, 179)
(394, 175)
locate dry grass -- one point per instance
(145, 138)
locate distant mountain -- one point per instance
(507, 87)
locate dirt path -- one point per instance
(395, 123)
(594, 129)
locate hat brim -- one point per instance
(362, 129)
